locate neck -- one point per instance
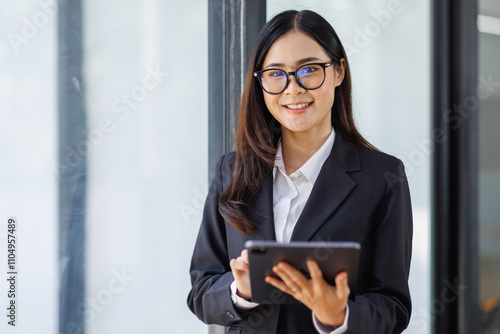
(298, 147)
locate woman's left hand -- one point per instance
(327, 302)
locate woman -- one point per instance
(302, 171)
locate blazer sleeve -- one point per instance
(385, 305)
(211, 276)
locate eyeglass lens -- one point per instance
(310, 77)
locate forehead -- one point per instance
(290, 49)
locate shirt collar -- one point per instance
(313, 166)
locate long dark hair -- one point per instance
(258, 131)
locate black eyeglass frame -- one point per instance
(258, 75)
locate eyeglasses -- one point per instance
(309, 76)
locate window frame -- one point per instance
(454, 305)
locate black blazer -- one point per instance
(360, 195)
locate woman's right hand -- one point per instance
(241, 274)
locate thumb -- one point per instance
(244, 255)
(341, 282)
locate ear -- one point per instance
(339, 71)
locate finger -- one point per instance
(292, 273)
(283, 270)
(342, 284)
(237, 264)
(244, 255)
(314, 271)
(292, 278)
(285, 283)
(278, 284)
(232, 264)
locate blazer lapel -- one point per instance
(330, 189)
(261, 212)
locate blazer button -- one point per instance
(230, 314)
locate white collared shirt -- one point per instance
(290, 194)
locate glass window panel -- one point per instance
(146, 79)
(489, 165)
(388, 45)
(28, 171)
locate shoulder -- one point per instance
(371, 168)
(224, 169)
(381, 170)
(378, 160)
(355, 158)
(226, 162)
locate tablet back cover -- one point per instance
(332, 258)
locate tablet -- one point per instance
(332, 258)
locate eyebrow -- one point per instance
(301, 61)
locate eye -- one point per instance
(275, 74)
(309, 69)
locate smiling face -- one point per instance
(296, 108)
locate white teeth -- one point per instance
(297, 106)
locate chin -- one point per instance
(297, 128)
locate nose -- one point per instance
(293, 87)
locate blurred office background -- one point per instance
(104, 118)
